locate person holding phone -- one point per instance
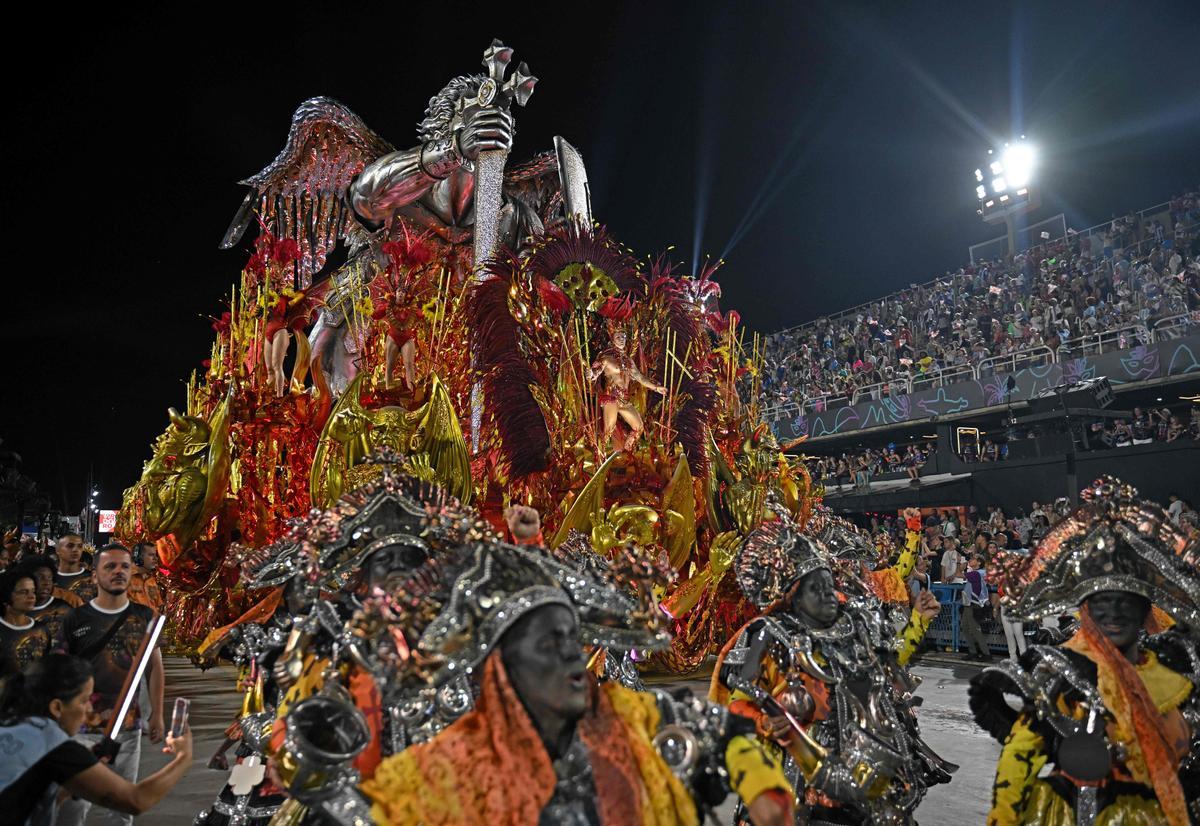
(108, 631)
(41, 709)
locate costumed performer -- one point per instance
(823, 676)
(1114, 708)
(545, 742)
(618, 370)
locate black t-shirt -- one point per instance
(81, 584)
(59, 765)
(84, 627)
(19, 646)
(51, 616)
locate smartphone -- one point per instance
(179, 717)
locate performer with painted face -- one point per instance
(1114, 709)
(545, 742)
(822, 675)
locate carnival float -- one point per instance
(472, 318)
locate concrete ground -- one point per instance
(945, 721)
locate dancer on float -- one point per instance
(1113, 709)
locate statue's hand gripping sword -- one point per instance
(499, 93)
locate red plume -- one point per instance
(553, 297)
(617, 309)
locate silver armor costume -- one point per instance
(876, 766)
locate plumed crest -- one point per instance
(1114, 541)
(693, 420)
(575, 243)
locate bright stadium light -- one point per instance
(1018, 163)
(1010, 190)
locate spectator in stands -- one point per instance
(862, 472)
(1175, 508)
(910, 464)
(970, 452)
(920, 580)
(1175, 430)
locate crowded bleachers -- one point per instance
(1119, 286)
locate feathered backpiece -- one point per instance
(774, 557)
(300, 194)
(1114, 541)
(507, 376)
(586, 264)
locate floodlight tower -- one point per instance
(1004, 187)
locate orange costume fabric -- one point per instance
(143, 589)
(1153, 751)
(258, 614)
(490, 767)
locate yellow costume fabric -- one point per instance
(773, 680)
(1019, 797)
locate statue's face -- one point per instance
(816, 598)
(543, 656)
(1120, 615)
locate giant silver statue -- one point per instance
(337, 180)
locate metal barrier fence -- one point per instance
(944, 631)
(1011, 362)
(1176, 326)
(1120, 338)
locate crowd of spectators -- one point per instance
(861, 466)
(1144, 427)
(1142, 273)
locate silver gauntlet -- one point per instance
(440, 157)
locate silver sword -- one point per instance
(489, 179)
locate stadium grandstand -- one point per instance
(1001, 380)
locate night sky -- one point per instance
(832, 144)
